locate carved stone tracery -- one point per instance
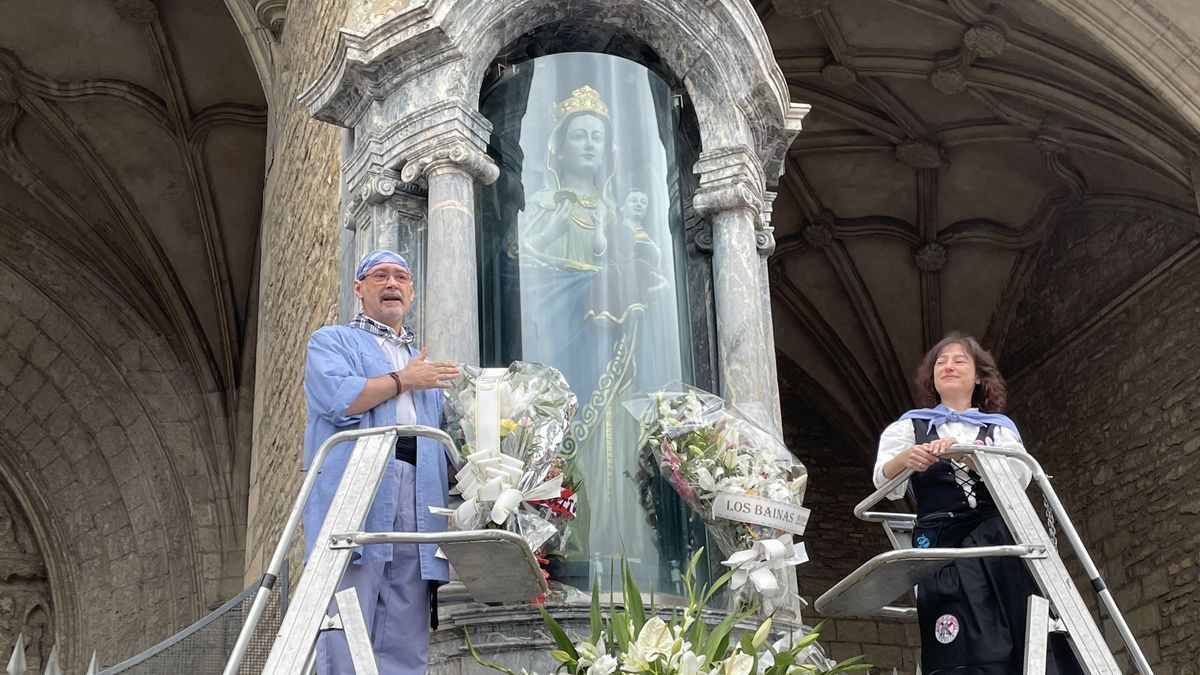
(931, 257)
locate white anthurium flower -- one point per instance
(634, 661)
(605, 665)
(655, 640)
(737, 664)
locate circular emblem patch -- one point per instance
(946, 628)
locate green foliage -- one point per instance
(623, 640)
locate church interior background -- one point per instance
(175, 224)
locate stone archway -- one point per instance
(1157, 41)
(1000, 169)
(131, 165)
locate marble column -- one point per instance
(730, 195)
(764, 240)
(451, 311)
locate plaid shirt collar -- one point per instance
(364, 322)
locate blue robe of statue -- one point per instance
(340, 359)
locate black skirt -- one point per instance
(972, 612)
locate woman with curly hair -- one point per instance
(971, 612)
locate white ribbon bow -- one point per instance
(758, 564)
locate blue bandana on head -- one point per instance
(943, 414)
(378, 257)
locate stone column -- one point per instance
(764, 240)
(451, 312)
(730, 195)
(382, 211)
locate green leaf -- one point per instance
(597, 623)
(747, 643)
(633, 598)
(718, 641)
(560, 636)
(482, 661)
(721, 581)
(620, 626)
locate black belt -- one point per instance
(406, 449)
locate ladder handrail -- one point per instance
(1067, 527)
(279, 558)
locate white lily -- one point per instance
(589, 653)
(737, 664)
(605, 665)
(690, 663)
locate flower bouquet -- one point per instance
(739, 478)
(637, 639)
(510, 423)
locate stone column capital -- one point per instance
(454, 155)
(730, 179)
(445, 136)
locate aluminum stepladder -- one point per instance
(494, 565)
(868, 590)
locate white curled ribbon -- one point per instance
(510, 498)
(494, 479)
(757, 565)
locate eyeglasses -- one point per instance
(381, 277)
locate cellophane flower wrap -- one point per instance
(517, 479)
(738, 477)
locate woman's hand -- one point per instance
(916, 457)
(941, 448)
(920, 457)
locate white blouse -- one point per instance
(899, 436)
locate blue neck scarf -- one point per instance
(942, 415)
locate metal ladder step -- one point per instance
(867, 591)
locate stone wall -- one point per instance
(1113, 413)
(837, 542)
(105, 445)
(25, 605)
(299, 277)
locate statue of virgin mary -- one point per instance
(581, 311)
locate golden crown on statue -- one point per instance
(583, 99)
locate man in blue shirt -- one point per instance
(367, 374)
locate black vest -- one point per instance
(935, 489)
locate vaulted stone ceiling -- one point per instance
(948, 140)
(132, 145)
(132, 141)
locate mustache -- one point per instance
(393, 296)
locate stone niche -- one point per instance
(25, 604)
(406, 80)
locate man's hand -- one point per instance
(422, 374)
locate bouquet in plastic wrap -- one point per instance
(510, 423)
(739, 478)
